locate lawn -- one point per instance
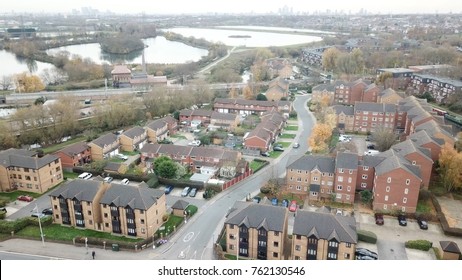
(70, 175)
(130, 153)
(291, 127)
(287, 136)
(256, 165)
(60, 233)
(169, 226)
(284, 144)
(275, 154)
(57, 147)
(13, 195)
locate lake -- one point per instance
(255, 39)
(11, 65)
(159, 50)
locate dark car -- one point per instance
(285, 203)
(379, 219)
(422, 224)
(168, 189)
(365, 258)
(363, 253)
(193, 192)
(47, 211)
(274, 201)
(371, 147)
(256, 199)
(26, 198)
(402, 220)
(265, 154)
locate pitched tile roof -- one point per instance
(80, 189)
(325, 226)
(25, 159)
(105, 140)
(75, 149)
(256, 215)
(134, 132)
(311, 162)
(135, 197)
(346, 160)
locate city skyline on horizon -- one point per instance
(235, 7)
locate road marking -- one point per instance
(188, 237)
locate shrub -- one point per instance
(191, 209)
(367, 236)
(423, 245)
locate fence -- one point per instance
(237, 179)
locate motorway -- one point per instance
(195, 239)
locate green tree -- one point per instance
(165, 167)
(261, 97)
(329, 58)
(366, 196)
(384, 137)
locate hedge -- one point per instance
(367, 236)
(191, 209)
(14, 226)
(423, 245)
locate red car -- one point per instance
(379, 219)
(25, 198)
(293, 206)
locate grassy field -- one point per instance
(57, 147)
(60, 233)
(291, 127)
(287, 136)
(70, 175)
(284, 144)
(257, 165)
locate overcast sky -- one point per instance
(234, 6)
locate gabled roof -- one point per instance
(421, 138)
(450, 246)
(346, 160)
(121, 69)
(347, 110)
(156, 124)
(25, 159)
(393, 161)
(312, 162)
(82, 190)
(74, 149)
(325, 226)
(130, 196)
(134, 132)
(180, 204)
(256, 215)
(105, 140)
(374, 107)
(408, 147)
(223, 116)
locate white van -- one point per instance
(371, 152)
(85, 176)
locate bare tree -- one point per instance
(384, 137)
(6, 82)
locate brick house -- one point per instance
(416, 155)
(121, 76)
(400, 77)
(243, 106)
(369, 116)
(323, 236)
(371, 93)
(397, 185)
(277, 89)
(349, 93)
(346, 170)
(279, 67)
(157, 130)
(345, 118)
(76, 203)
(389, 96)
(133, 139)
(74, 155)
(104, 146)
(23, 170)
(422, 139)
(323, 91)
(224, 120)
(196, 115)
(132, 211)
(312, 176)
(258, 139)
(256, 231)
(366, 172)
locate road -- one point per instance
(195, 239)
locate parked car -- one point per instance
(285, 203)
(256, 199)
(26, 198)
(422, 223)
(371, 152)
(402, 220)
(293, 206)
(195, 143)
(121, 156)
(47, 211)
(125, 181)
(363, 252)
(108, 179)
(193, 192)
(274, 201)
(365, 258)
(168, 189)
(37, 215)
(296, 145)
(185, 191)
(368, 138)
(379, 219)
(371, 146)
(278, 149)
(265, 154)
(85, 176)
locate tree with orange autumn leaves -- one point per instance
(450, 168)
(320, 135)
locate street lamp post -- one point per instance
(40, 225)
